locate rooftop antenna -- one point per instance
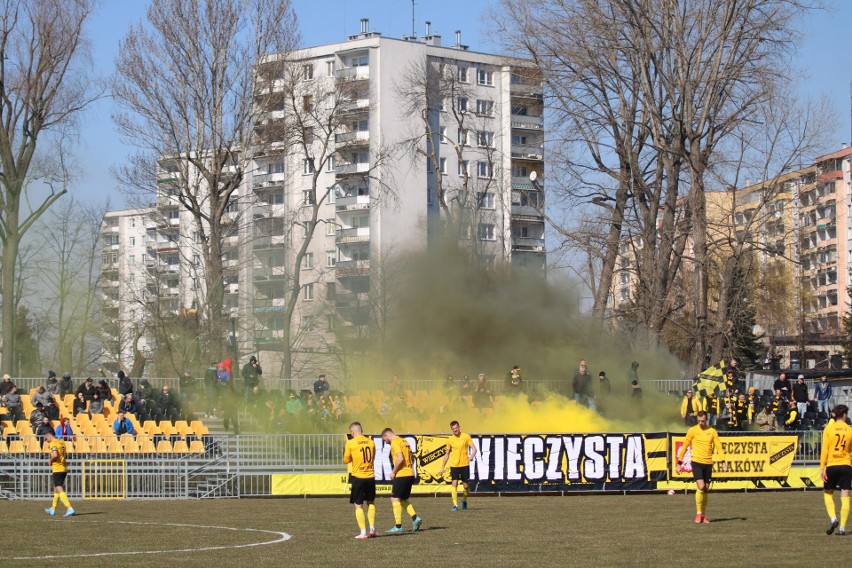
(413, 29)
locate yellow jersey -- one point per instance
(703, 442)
(359, 452)
(58, 446)
(836, 445)
(400, 446)
(458, 448)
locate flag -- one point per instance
(710, 380)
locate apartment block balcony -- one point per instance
(353, 235)
(354, 138)
(269, 305)
(348, 169)
(528, 244)
(526, 213)
(351, 268)
(526, 122)
(528, 152)
(267, 242)
(527, 89)
(357, 106)
(266, 181)
(351, 74)
(352, 203)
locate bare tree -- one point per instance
(186, 81)
(44, 87)
(329, 154)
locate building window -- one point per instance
(486, 232)
(278, 199)
(308, 197)
(462, 136)
(486, 200)
(484, 77)
(461, 105)
(308, 72)
(330, 228)
(463, 165)
(519, 140)
(133, 221)
(443, 162)
(329, 165)
(484, 108)
(133, 241)
(308, 292)
(359, 61)
(308, 261)
(132, 260)
(443, 134)
(485, 139)
(520, 171)
(329, 67)
(308, 103)
(485, 170)
(463, 74)
(330, 258)
(308, 166)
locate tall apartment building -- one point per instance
(124, 256)
(486, 136)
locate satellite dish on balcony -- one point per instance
(533, 176)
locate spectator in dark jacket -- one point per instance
(104, 391)
(800, 396)
(13, 404)
(65, 385)
(168, 405)
(51, 410)
(79, 406)
(43, 428)
(128, 405)
(251, 375)
(125, 385)
(783, 385)
(51, 385)
(87, 387)
(823, 394)
(6, 385)
(36, 415)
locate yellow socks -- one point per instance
(844, 510)
(454, 491)
(397, 513)
(409, 508)
(464, 495)
(371, 516)
(55, 500)
(700, 501)
(359, 516)
(64, 498)
(828, 497)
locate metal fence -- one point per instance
(231, 466)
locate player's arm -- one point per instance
(54, 455)
(397, 465)
(472, 450)
(447, 450)
(347, 454)
(823, 454)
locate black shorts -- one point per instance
(59, 478)
(460, 473)
(362, 490)
(702, 471)
(838, 477)
(401, 487)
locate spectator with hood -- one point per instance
(51, 385)
(125, 385)
(65, 386)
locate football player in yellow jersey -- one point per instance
(360, 452)
(59, 471)
(703, 440)
(402, 479)
(459, 451)
(835, 467)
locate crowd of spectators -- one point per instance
(787, 406)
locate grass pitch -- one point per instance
(596, 530)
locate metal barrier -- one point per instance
(231, 466)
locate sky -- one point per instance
(825, 56)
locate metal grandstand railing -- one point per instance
(231, 466)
